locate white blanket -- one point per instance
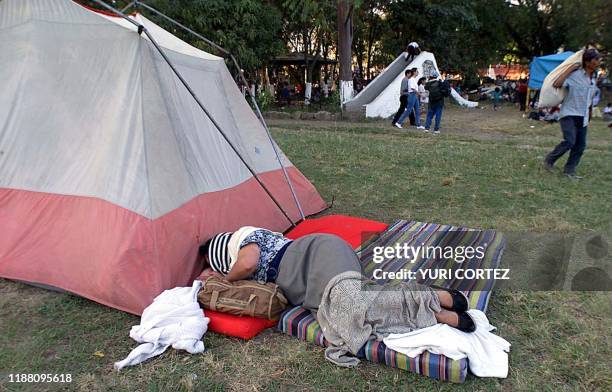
(174, 318)
(551, 96)
(486, 352)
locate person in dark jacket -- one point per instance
(436, 102)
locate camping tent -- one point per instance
(111, 174)
(542, 66)
(381, 96)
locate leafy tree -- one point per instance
(461, 33)
(369, 28)
(539, 27)
(249, 29)
(309, 28)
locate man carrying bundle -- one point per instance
(579, 81)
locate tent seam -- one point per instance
(146, 157)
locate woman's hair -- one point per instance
(421, 80)
(589, 55)
(203, 250)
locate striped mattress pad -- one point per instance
(300, 323)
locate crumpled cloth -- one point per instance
(487, 353)
(173, 319)
(354, 311)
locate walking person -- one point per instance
(496, 98)
(403, 96)
(413, 102)
(437, 89)
(521, 92)
(579, 82)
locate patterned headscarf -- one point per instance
(218, 253)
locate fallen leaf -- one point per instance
(99, 354)
(448, 181)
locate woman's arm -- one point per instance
(558, 83)
(246, 265)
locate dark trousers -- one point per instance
(521, 98)
(574, 141)
(403, 104)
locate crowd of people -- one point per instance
(416, 94)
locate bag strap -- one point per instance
(251, 305)
(270, 304)
(213, 300)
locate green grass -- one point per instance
(484, 171)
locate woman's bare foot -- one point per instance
(446, 300)
(462, 322)
(447, 317)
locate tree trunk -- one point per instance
(371, 31)
(345, 41)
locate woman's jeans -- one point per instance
(413, 104)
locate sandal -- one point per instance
(466, 323)
(460, 301)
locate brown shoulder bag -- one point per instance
(243, 298)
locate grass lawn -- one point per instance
(483, 171)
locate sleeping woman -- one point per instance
(322, 273)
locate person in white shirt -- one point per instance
(413, 102)
(423, 95)
(607, 112)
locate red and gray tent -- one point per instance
(111, 171)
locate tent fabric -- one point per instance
(110, 174)
(542, 66)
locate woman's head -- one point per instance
(421, 81)
(216, 254)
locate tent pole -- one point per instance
(527, 100)
(127, 7)
(244, 81)
(143, 29)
